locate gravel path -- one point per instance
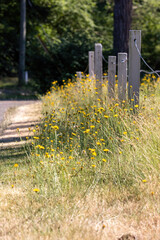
(5, 105)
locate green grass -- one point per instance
(8, 82)
(9, 90)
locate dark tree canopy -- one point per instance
(61, 32)
(122, 24)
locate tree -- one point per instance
(146, 17)
(22, 42)
(9, 29)
(68, 29)
(122, 24)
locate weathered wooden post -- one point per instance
(98, 67)
(91, 64)
(26, 77)
(122, 75)
(111, 75)
(134, 65)
(22, 44)
(79, 76)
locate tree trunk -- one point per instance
(22, 44)
(122, 24)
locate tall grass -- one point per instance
(93, 169)
(90, 140)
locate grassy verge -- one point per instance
(9, 90)
(93, 169)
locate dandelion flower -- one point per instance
(94, 153)
(36, 190)
(102, 140)
(55, 127)
(105, 150)
(144, 180)
(93, 166)
(87, 131)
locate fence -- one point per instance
(95, 64)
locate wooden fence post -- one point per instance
(91, 64)
(98, 67)
(79, 76)
(111, 75)
(122, 76)
(134, 65)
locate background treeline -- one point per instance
(60, 34)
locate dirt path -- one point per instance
(5, 105)
(21, 121)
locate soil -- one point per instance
(19, 119)
(5, 105)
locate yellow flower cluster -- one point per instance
(82, 130)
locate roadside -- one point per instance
(9, 90)
(6, 105)
(19, 112)
(18, 123)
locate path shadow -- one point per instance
(8, 155)
(18, 132)
(14, 139)
(23, 125)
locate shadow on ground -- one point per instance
(12, 154)
(17, 135)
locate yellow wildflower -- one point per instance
(55, 127)
(87, 131)
(94, 153)
(144, 180)
(36, 190)
(105, 150)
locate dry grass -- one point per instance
(98, 215)
(104, 204)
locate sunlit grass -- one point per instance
(86, 137)
(93, 165)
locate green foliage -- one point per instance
(9, 29)
(67, 30)
(146, 17)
